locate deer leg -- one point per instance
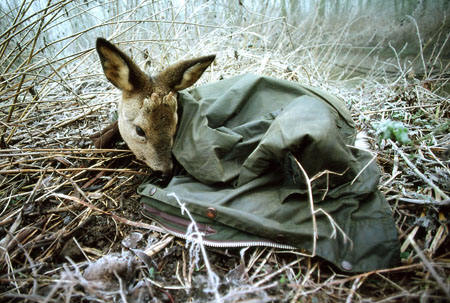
(106, 137)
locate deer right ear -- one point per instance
(183, 74)
(118, 67)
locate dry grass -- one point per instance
(64, 205)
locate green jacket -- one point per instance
(241, 141)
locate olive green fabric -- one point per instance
(241, 142)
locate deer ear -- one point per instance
(118, 67)
(183, 74)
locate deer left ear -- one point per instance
(184, 74)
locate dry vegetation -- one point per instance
(70, 223)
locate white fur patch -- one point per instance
(116, 70)
(361, 141)
(190, 76)
(124, 74)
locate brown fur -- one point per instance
(149, 105)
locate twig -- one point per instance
(425, 202)
(264, 261)
(120, 219)
(6, 240)
(395, 109)
(429, 267)
(367, 274)
(311, 206)
(416, 170)
(11, 109)
(424, 65)
(154, 249)
(78, 169)
(374, 156)
(64, 123)
(333, 223)
(197, 237)
(59, 151)
(271, 275)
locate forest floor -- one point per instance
(66, 206)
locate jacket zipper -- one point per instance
(212, 243)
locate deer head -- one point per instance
(148, 109)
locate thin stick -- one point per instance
(197, 237)
(311, 205)
(11, 109)
(429, 267)
(403, 108)
(60, 150)
(59, 170)
(418, 173)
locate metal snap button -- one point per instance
(211, 212)
(346, 265)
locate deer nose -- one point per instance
(167, 173)
(164, 173)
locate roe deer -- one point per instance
(148, 110)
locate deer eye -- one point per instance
(140, 131)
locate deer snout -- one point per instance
(163, 174)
